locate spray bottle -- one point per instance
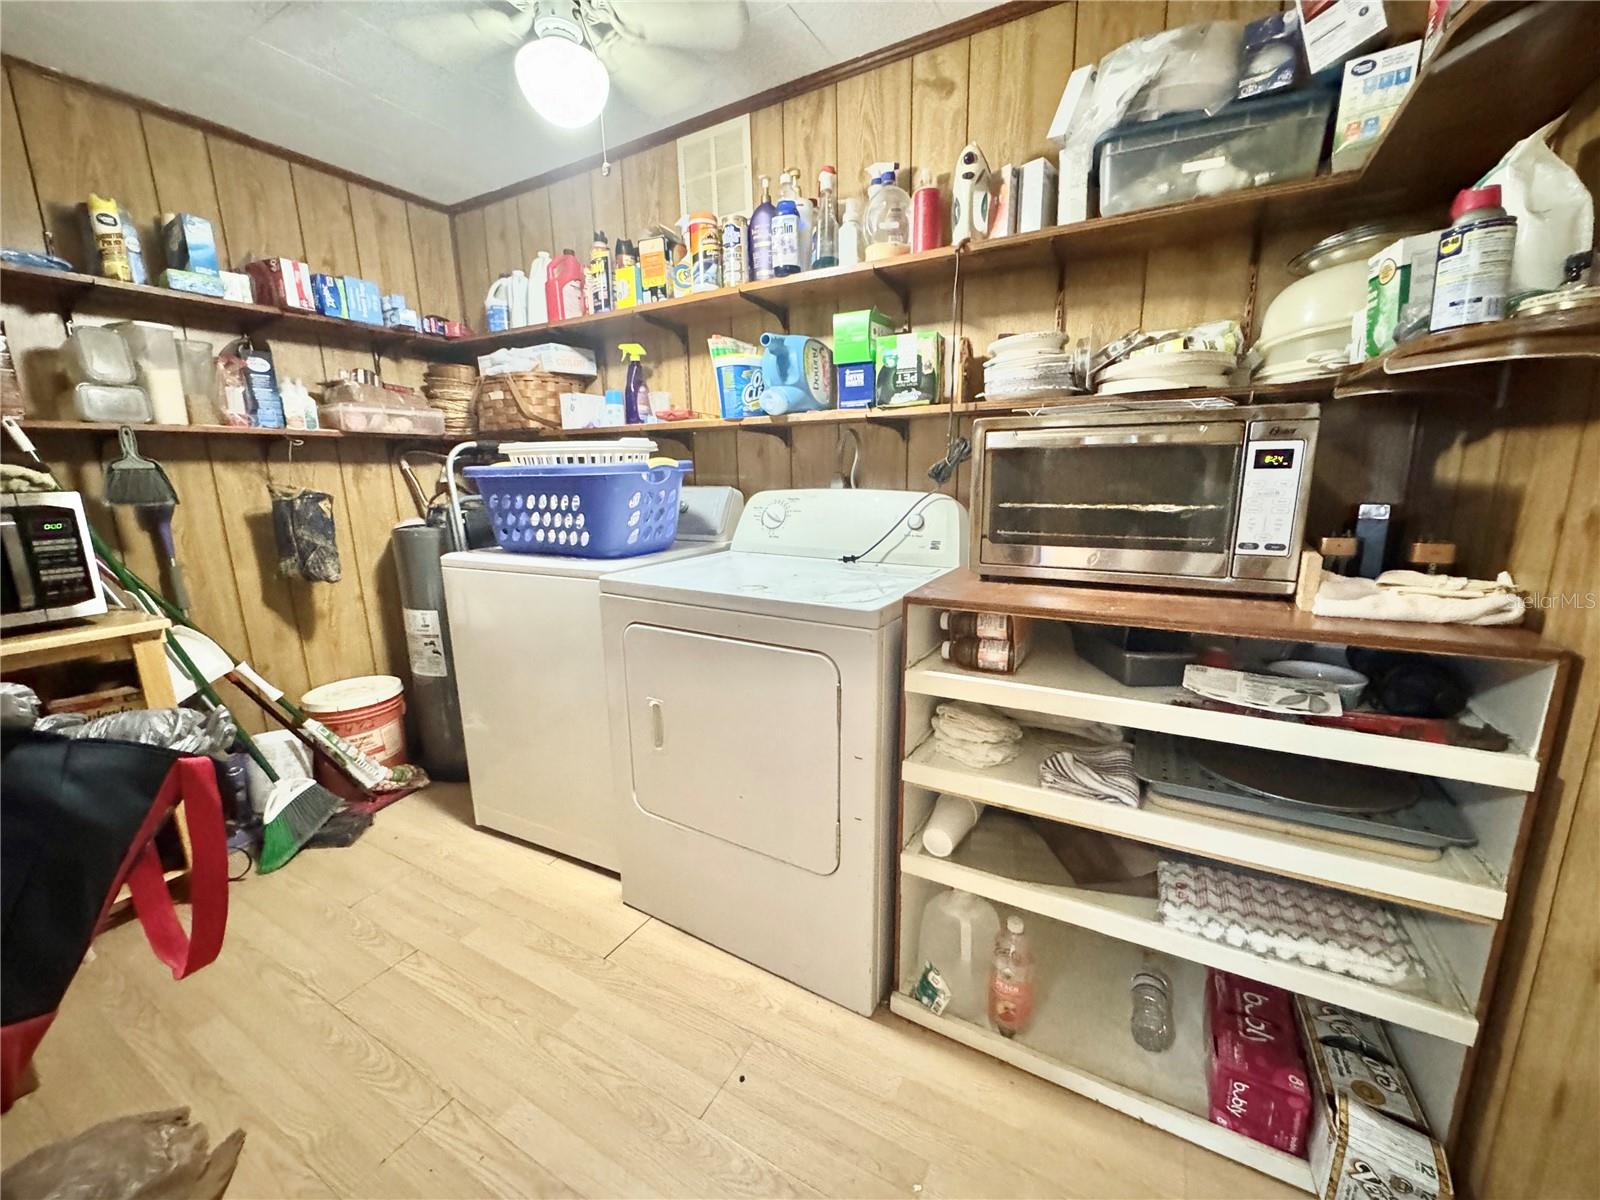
(601, 298)
(761, 233)
(635, 395)
(804, 209)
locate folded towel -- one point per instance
(975, 736)
(1093, 769)
(1398, 596)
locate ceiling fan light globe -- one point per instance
(563, 81)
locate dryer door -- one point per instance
(713, 751)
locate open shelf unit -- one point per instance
(1452, 909)
(111, 427)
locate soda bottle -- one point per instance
(1011, 980)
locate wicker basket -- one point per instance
(523, 399)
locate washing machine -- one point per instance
(530, 673)
(755, 708)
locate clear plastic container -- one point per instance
(958, 936)
(1151, 1020)
(369, 408)
(155, 357)
(197, 366)
(123, 403)
(1191, 156)
(97, 354)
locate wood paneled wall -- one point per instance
(61, 142)
(1512, 477)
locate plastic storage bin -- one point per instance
(372, 408)
(96, 354)
(1249, 143)
(120, 402)
(598, 510)
(155, 357)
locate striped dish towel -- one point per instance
(1093, 769)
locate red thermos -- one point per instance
(927, 219)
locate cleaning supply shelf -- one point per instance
(1459, 883)
(111, 427)
(1433, 1005)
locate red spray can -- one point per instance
(927, 219)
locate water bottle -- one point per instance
(1151, 1021)
(1011, 980)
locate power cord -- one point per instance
(901, 520)
(944, 470)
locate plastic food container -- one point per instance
(97, 354)
(123, 403)
(155, 358)
(198, 368)
(356, 416)
(1190, 156)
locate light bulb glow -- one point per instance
(563, 81)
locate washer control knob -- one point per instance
(773, 515)
(916, 521)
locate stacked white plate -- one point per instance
(1174, 370)
(1030, 366)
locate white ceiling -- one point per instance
(324, 77)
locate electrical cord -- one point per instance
(957, 448)
(957, 453)
(901, 520)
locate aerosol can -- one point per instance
(971, 198)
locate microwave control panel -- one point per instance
(1269, 497)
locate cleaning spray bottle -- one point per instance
(635, 395)
(761, 232)
(600, 295)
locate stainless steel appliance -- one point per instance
(49, 572)
(1178, 498)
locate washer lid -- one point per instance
(825, 591)
(495, 559)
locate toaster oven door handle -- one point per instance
(17, 563)
(1224, 433)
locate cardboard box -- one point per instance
(282, 283)
(236, 286)
(1399, 287)
(1357, 1154)
(586, 410)
(1258, 1083)
(329, 296)
(1350, 1054)
(363, 301)
(1038, 206)
(1333, 30)
(910, 369)
(192, 281)
(1007, 184)
(856, 334)
(1374, 86)
(855, 385)
(1271, 46)
(189, 244)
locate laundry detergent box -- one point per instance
(1374, 85)
(910, 369)
(189, 244)
(855, 352)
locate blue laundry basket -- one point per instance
(590, 510)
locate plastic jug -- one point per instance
(564, 287)
(796, 373)
(538, 285)
(888, 218)
(497, 305)
(517, 299)
(958, 936)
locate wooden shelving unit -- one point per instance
(1091, 940)
(249, 431)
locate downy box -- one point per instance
(1399, 287)
(189, 244)
(1038, 206)
(910, 369)
(1374, 86)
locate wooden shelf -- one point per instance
(71, 290)
(1459, 883)
(1231, 616)
(111, 427)
(1433, 1005)
(1079, 1038)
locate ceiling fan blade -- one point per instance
(705, 26)
(462, 39)
(637, 71)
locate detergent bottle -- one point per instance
(888, 219)
(761, 232)
(600, 295)
(564, 287)
(825, 233)
(787, 231)
(635, 395)
(852, 244)
(497, 305)
(796, 374)
(538, 282)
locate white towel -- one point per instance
(1413, 596)
(975, 736)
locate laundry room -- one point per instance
(775, 597)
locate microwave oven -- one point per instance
(47, 565)
(1211, 499)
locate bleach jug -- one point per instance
(538, 283)
(796, 374)
(497, 305)
(564, 287)
(517, 300)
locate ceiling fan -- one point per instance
(569, 54)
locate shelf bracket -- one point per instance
(781, 311)
(674, 327)
(901, 292)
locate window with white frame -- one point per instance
(714, 169)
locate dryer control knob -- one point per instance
(773, 514)
(916, 521)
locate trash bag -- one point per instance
(19, 706)
(180, 729)
(148, 1156)
(302, 526)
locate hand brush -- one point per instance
(134, 479)
(296, 810)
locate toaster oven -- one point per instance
(1175, 498)
(47, 564)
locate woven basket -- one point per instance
(523, 400)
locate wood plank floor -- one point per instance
(441, 1012)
